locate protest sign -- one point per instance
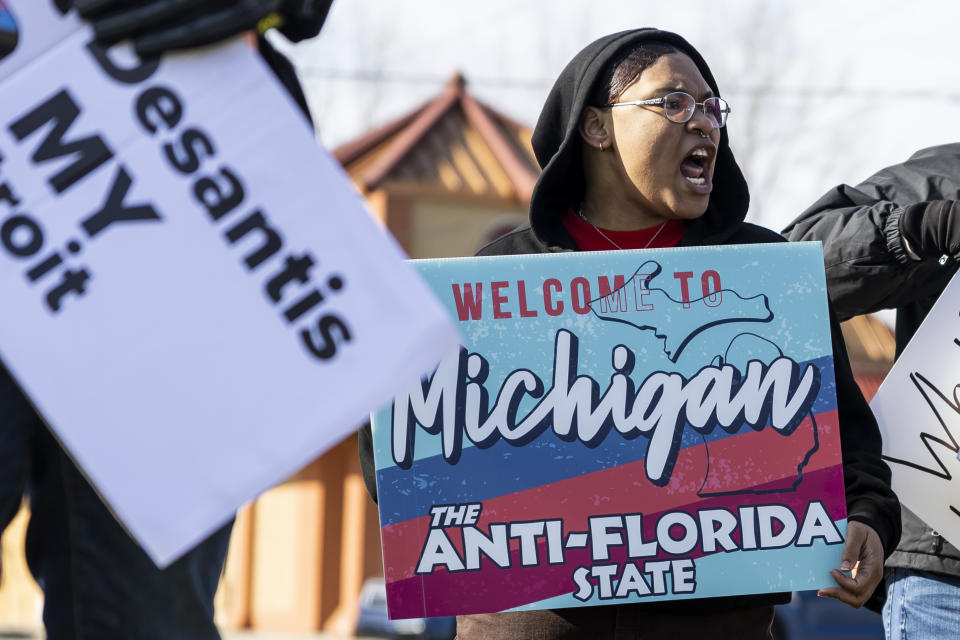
(617, 427)
(194, 296)
(918, 410)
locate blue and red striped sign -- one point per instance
(617, 427)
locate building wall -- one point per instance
(300, 553)
(445, 229)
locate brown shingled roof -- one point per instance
(453, 142)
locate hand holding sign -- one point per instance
(165, 25)
(863, 558)
(602, 447)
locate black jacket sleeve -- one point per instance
(893, 239)
(866, 476)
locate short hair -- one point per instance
(624, 68)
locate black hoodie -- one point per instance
(556, 142)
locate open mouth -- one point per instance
(694, 167)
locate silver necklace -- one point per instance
(607, 238)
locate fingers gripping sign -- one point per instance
(862, 559)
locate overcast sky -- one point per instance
(822, 92)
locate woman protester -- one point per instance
(635, 155)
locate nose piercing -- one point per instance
(702, 134)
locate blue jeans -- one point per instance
(921, 605)
(97, 582)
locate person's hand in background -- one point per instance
(156, 26)
(931, 230)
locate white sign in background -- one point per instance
(190, 345)
(918, 409)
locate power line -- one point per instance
(419, 78)
(401, 77)
(846, 92)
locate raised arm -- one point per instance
(893, 239)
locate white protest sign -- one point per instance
(918, 409)
(193, 295)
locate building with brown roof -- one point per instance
(446, 177)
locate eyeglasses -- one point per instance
(679, 107)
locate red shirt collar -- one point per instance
(587, 238)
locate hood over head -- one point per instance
(557, 143)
